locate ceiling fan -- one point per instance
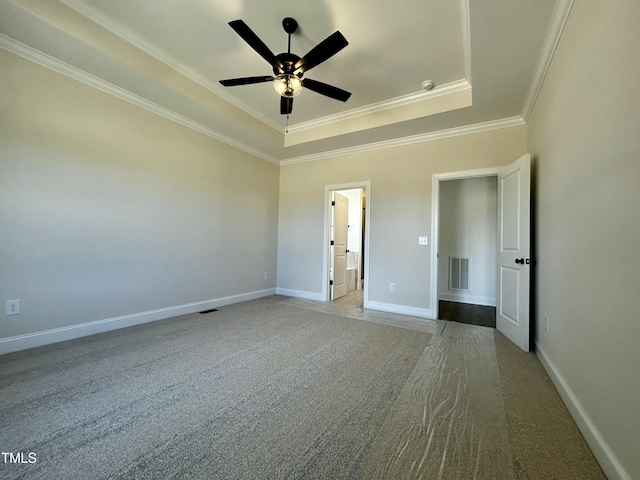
(289, 68)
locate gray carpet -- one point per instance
(256, 390)
(276, 388)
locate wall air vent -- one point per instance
(459, 273)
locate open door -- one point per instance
(338, 272)
(513, 275)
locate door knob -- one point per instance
(520, 261)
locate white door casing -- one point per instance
(513, 256)
(339, 246)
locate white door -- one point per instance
(339, 246)
(513, 275)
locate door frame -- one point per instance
(435, 220)
(328, 189)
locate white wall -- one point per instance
(584, 136)
(399, 203)
(109, 211)
(468, 222)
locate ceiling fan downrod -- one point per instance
(290, 26)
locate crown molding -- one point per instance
(420, 138)
(75, 73)
(447, 89)
(554, 32)
(466, 38)
(149, 48)
(557, 24)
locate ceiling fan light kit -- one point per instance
(287, 85)
(288, 68)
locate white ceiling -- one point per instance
(486, 57)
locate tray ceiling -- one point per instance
(486, 58)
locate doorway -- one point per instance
(464, 227)
(355, 271)
(513, 273)
(467, 250)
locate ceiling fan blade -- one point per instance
(325, 89)
(321, 52)
(254, 42)
(286, 105)
(233, 82)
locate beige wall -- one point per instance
(400, 206)
(109, 210)
(584, 135)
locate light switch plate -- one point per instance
(423, 240)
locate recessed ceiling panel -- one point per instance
(169, 55)
(393, 46)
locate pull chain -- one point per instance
(286, 128)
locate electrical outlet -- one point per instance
(546, 324)
(266, 275)
(392, 287)
(423, 240)
(12, 307)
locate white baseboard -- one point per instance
(600, 448)
(46, 337)
(379, 306)
(466, 298)
(400, 309)
(318, 297)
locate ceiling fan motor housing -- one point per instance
(288, 61)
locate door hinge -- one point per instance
(330, 282)
(331, 242)
(333, 203)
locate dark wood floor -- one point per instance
(467, 313)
